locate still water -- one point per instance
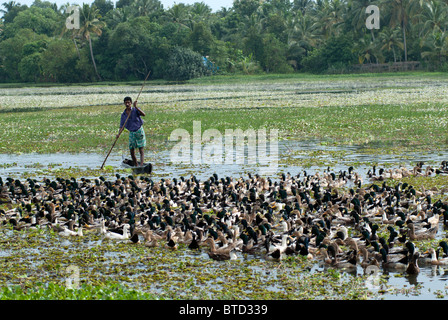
(293, 156)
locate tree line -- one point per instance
(123, 41)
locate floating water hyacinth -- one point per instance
(337, 92)
(347, 109)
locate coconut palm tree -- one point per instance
(330, 17)
(253, 22)
(302, 33)
(435, 14)
(367, 50)
(302, 5)
(435, 47)
(390, 39)
(90, 24)
(200, 11)
(401, 13)
(119, 15)
(356, 13)
(179, 14)
(146, 7)
(8, 6)
(10, 11)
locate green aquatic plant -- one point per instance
(380, 116)
(54, 291)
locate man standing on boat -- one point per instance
(131, 120)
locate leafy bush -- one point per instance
(336, 53)
(184, 64)
(275, 55)
(29, 67)
(58, 62)
(248, 65)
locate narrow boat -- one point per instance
(145, 168)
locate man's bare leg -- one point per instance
(134, 158)
(142, 156)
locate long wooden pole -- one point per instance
(122, 128)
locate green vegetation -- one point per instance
(38, 263)
(53, 291)
(124, 42)
(185, 64)
(381, 113)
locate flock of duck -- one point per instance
(335, 218)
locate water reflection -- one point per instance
(294, 157)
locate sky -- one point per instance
(214, 4)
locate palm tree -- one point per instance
(302, 5)
(8, 6)
(401, 12)
(254, 21)
(434, 40)
(119, 15)
(200, 11)
(367, 50)
(330, 17)
(179, 14)
(357, 15)
(390, 39)
(436, 46)
(10, 11)
(435, 15)
(302, 33)
(146, 7)
(90, 23)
